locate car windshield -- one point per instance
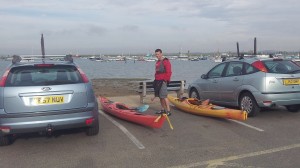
(39, 76)
(281, 66)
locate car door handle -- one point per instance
(236, 79)
(214, 81)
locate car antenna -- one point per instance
(254, 51)
(43, 47)
(238, 49)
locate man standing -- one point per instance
(163, 74)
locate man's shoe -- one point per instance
(160, 112)
(168, 113)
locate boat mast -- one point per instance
(43, 47)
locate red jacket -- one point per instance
(163, 72)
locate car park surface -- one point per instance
(270, 140)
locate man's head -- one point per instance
(158, 54)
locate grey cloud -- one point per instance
(197, 24)
(96, 30)
(78, 31)
(130, 28)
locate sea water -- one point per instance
(181, 70)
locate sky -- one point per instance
(141, 26)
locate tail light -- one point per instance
(3, 79)
(43, 65)
(83, 75)
(5, 129)
(267, 103)
(89, 121)
(260, 66)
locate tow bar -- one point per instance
(49, 129)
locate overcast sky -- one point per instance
(141, 26)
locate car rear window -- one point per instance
(44, 75)
(281, 66)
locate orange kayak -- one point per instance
(124, 112)
(195, 106)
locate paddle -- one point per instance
(164, 115)
(141, 109)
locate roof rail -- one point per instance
(68, 58)
(16, 58)
(25, 58)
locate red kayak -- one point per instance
(126, 113)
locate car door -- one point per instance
(214, 77)
(231, 81)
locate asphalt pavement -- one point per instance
(270, 140)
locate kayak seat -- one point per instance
(205, 102)
(183, 98)
(121, 106)
(195, 102)
(199, 102)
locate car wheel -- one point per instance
(293, 108)
(248, 104)
(93, 130)
(5, 140)
(194, 94)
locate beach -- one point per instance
(113, 87)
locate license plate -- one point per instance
(44, 100)
(291, 81)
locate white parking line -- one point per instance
(126, 132)
(247, 125)
(244, 124)
(220, 162)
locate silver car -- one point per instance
(45, 96)
(250, 84)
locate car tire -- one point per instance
(93, 130)
(248, 103)
(5, 140)
(194, 94)
(293, 108)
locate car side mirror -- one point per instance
(204, 76)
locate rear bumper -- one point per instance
(40, 123)
(280, 99)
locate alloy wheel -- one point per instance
(194, 94)
(247, 104)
